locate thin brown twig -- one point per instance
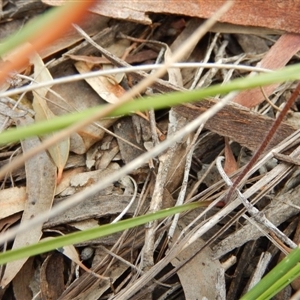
(264, 143)
(268, 100)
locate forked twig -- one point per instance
(254, 212)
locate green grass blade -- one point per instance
(265, 288)
(281, 283)
(104, 230)
(155, 102)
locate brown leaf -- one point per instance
(8, 221)
(52, 277)
(131, 59)
(21, 283)
(125, 129)
(277, 57)
(94, 60)
(230, 165)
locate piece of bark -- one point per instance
(276, 14)
(238, 123)
(95, 207)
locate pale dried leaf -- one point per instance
(8, 221)
(40, 188)
(77, 96)
(199, 275)
(104, 86)
(66, 177)
(85, 224)
(60, 151)
(12, 200)
(89, 209)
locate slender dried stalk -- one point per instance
(264, 143)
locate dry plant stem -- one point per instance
(287, 158)
(264, 143)
(153, 128)
(268, 100)
(182, 193)
(73, 200)
(260, 270)
(191, 41)
(206, 80)
(187, 240)
(184, 233)
(118, 257)
(265, 184)
(165, 162)
(229, 74)
(155, 205)
(269, 181)
(123, 213)
(122, 172)
(254, 212)
(77, 77)
(206, 58)
(234, 204)
(197, 184)
(278, 94)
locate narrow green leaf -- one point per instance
(261, 290)
(155, 102)
(281, 283)
(104, 230)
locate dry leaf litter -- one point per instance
(208, 253)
